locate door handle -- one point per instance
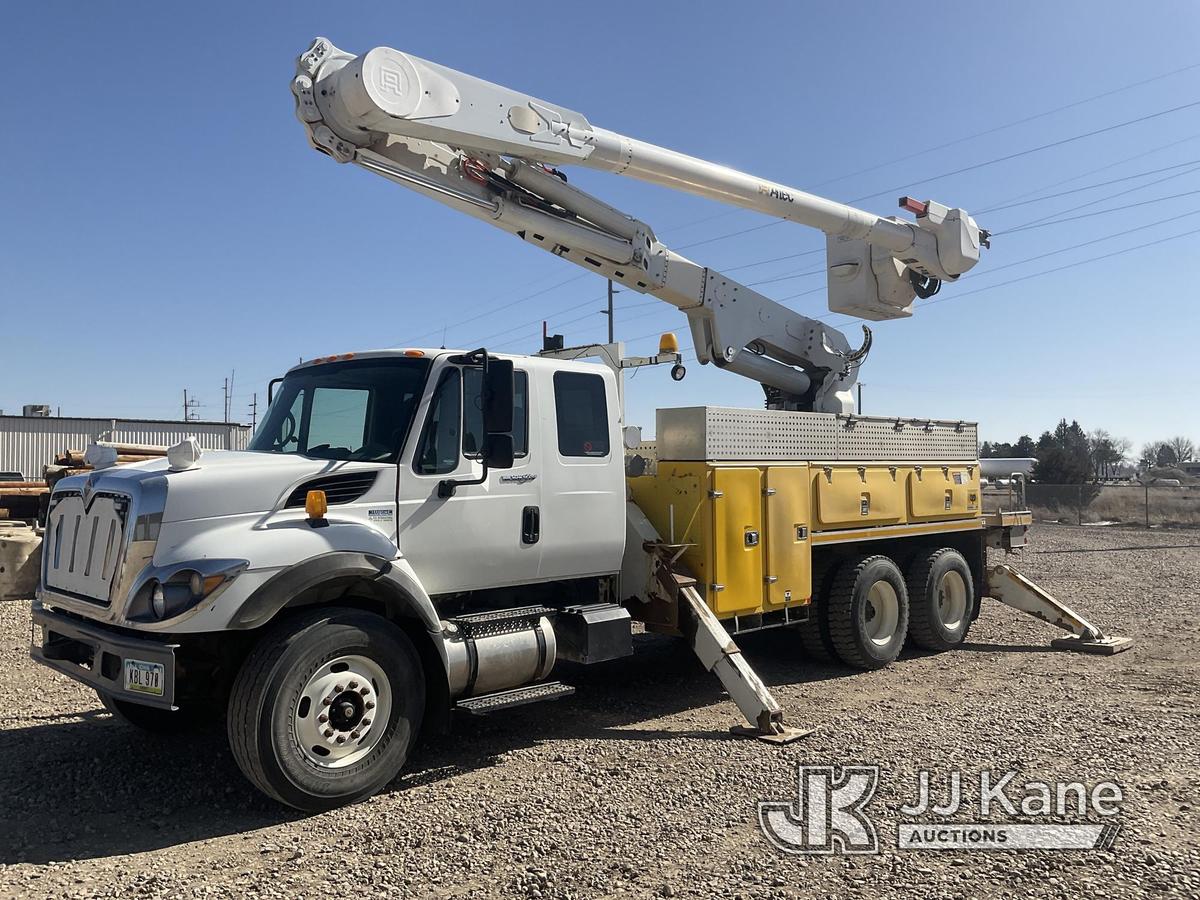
(531, 525)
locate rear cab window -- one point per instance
(581, 411)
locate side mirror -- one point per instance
(498, 453)
(498, 393)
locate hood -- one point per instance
(222, 483)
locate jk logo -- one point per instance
(827, 815)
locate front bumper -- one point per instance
(95, 655)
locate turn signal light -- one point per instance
(668, 343)
(315, 505)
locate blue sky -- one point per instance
(165, 221)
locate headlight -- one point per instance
(158, 601)
(170, 591)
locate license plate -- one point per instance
(145, 677)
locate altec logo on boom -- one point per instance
(829, 814)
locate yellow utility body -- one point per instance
(749, 527)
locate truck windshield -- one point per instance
(357, 410)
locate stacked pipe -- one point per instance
(72, 462)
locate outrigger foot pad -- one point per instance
(785, 736)
(1105, 646)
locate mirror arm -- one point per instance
(447, 487)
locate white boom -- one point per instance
(485, 150)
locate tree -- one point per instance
(1064, 457)
(1165, 456)
(1149, 457)
(1107, 453)
(1024, 447)
(1183, 449)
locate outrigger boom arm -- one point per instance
(487, 150)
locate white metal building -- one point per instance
(29, 442)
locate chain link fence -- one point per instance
(1090, 504)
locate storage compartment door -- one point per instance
(789, 558)
(737, 541)
(943, 492)
(857, 496)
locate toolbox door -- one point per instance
(850, 496)
(737, 551)
(789, 559)
(943, 492)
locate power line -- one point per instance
(1099, 212)
(1107, 237)
(1132, 190)
(1013, 124)
(495, 309)
(1030, 150)
(1089, 187)
(1104, 168)
(1073, 265)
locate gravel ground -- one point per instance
(634, 787)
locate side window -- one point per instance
(473, 413)
(437, 453)
(582, 414)
(520, 430)
(288, 438)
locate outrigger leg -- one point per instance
(1013, 589)
(721, 656)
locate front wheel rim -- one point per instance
(342, 712)
(952, 600)
(882, 614)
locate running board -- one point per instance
(485, 704)
(1013, 589)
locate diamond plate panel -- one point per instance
(721, 433)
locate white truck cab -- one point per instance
(447, 483)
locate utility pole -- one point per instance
(188, 406)
(254, 411)
(860, 412)
(226, 406)
(609, 312)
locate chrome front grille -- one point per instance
(84, 546)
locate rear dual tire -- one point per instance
(941, 599)
(867, 612)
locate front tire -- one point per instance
(941, 596)
(868, 612)
(326, 707)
